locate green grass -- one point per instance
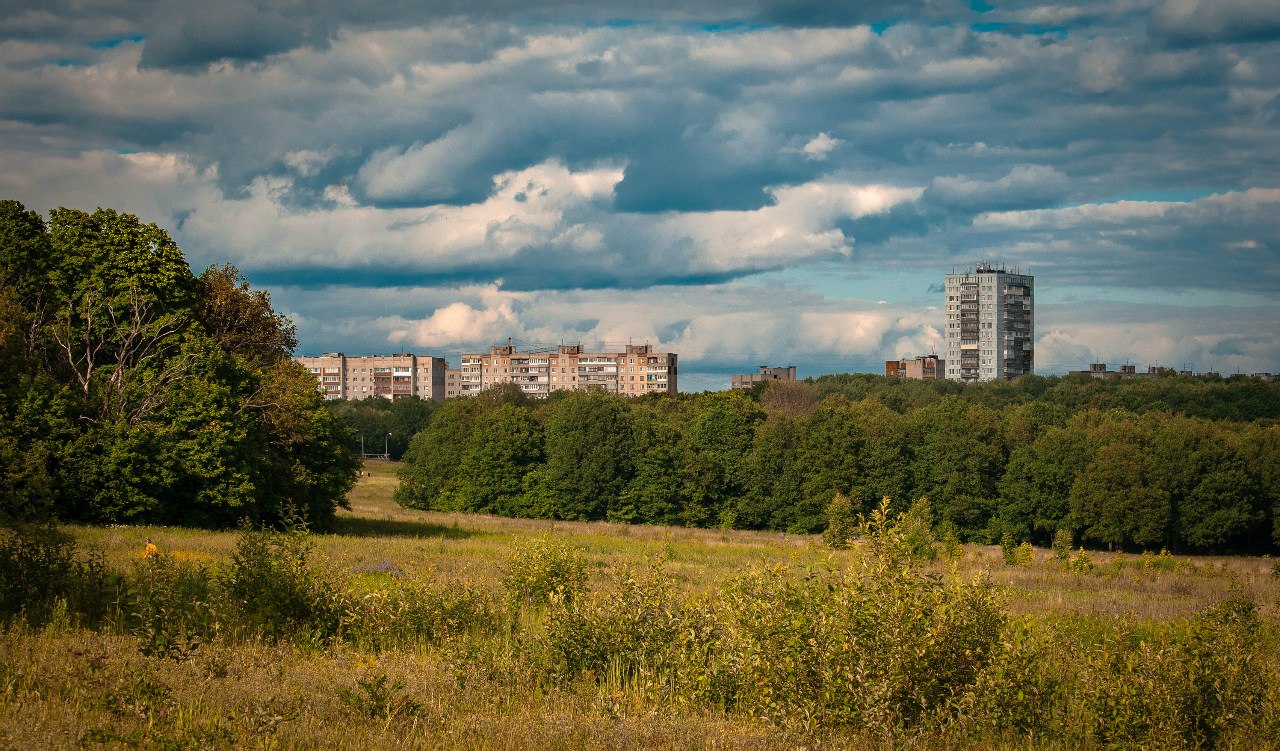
(485, 685)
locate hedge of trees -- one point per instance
(132, 390)
(1026, 459)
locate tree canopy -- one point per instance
(1025, 458)
(134, 390)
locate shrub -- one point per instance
(1062, 541)
(1017, 690)
(41, 575)
(840, 522)
(172, 606)
(1009, 549)
(1080, 563)
(916, 527)
(540, 569)
(1195, 683)
(1024, 555)
(274, 589)
(951, 548)
(882, 647)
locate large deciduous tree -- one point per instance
(141, 392)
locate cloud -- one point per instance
(1192, 22)
(569, 155)
(820, 147)
(1025, 186)
(459, 323)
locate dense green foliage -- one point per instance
(1023, 459)
(132, 390)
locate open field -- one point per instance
(471, 548)
(1113, 657)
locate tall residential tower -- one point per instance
(990, 324)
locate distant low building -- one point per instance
(922, 368)
(1099, 370)
(765, 373)
(397, 376)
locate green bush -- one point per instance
(1008, 549)
(1024, 555)
(882, 647)
(1080, 563)
(42, 574)
(541, 569)
(1195, 683)
(916, 527)
(274, 590)
(173, 606)
(1062, 542)
(840, 522)
(1018, 691)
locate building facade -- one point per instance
(636, 371)
(387, 376)
(766, 373)
(990, 324)
(923, 368)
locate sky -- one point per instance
(743, 182)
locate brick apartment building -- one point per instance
(636, 371)
(923, 368)
(388, 376)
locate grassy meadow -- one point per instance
(405, 629)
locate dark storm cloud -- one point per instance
(820, 13)
(1196, 22)
(193, 35)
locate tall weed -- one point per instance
(42, 575)
(173, 606)
(276, 593)
(541, 569)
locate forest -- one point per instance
(1180, 462)
(135, 391)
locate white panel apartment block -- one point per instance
(990, 324)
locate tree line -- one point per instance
(133, 390)
(1025, 459)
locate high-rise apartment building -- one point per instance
(636, 371)
(990, 324)
(388, 376)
